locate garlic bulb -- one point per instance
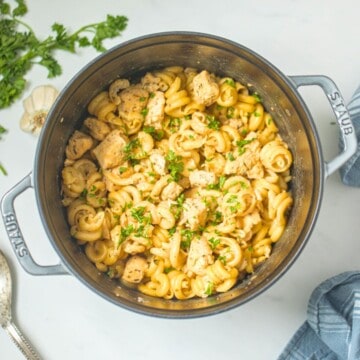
(37, 106)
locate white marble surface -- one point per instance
(65, 320)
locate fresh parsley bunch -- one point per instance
(20, 48)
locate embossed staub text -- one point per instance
(15, 235)
(341, 113)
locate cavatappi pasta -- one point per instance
(177, 184)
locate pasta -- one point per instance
(178, 184)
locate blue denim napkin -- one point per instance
(350, 171)
(332, 329)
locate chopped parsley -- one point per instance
(179, 205)
(124, 233)
(230, 112)
(230, 82)
(218, 185)
(131, 145)
(144, 111)
(235, 204)
(83, 194)
(217, 218)
(168, 269)
(209, 288)
(175, 165)
(129, 151)
(138, 214)
(230, 156)
(174, 124)
(213, 123)
(257, 97)
(214, 243)
(222, 258)
(156, 134)
(241, 145)
(122, 169)
(186, 235)
(92, 192)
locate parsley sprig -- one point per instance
(20, 48)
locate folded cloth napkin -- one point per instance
(350, 171)
(332, 329)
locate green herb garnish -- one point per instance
(230, 82)
(230, 156)
(138, 214)
(214, 243)
(218, 185)
(213, 123)
(230, 112)
(176, 166)
(156, 134)
(124, 233)
(168, 269)
(241, 145)
(179, 205)
(174, 124)
(83, 194)
(257, 97)
(222, 258)
(209, 288)
(144, 111)
(129, 149)
(186, 235)
(20, 48)
(122, 169)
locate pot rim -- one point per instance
(288, 87)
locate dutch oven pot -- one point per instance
(223, 57)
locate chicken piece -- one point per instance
(206, 90)
(200, 256)
(132, 101)
(153, 83)
(171, 191)
(202, 178)
(79, 143)
(194, 214)
(98, 129)
(156, 110)
(110, 152)
(135, 269)
(115, 89)
(248, 163)
(158, 162)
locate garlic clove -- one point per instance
(37, 106)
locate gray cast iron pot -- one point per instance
(223, 57)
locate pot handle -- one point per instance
(15, 236)
(341, 113)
